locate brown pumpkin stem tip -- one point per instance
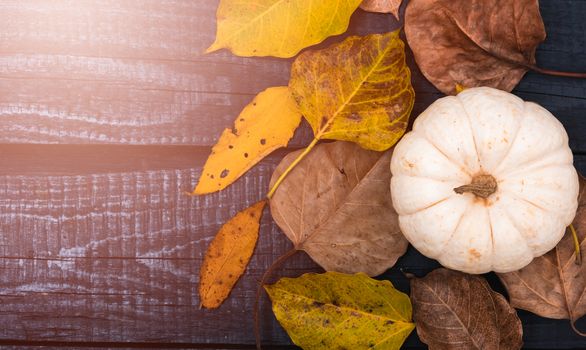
(482, 186)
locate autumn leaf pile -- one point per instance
(358, 92)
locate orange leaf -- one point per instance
(228, 255)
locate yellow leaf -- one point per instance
(359, 90)
(264, 125)
(279, 28)
(459, 88)
(228, 255)
(339, 311)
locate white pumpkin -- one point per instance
(485, 181)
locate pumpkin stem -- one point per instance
(482, 186)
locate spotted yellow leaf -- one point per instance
(228, 255)
(339, 311)
(359, 90)
(266, 124)
(279, 28)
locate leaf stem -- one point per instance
(556, 73)
(291, 166)
(535, 68)
(576, 245)
(276, 264)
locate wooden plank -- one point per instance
(133, 72)
(16, 345)
(114, 256)
(32, 159)
(97, 243)
(130, 72)
(563, 50)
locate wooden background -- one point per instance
(108, 109)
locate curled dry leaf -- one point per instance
(228, 255)
(266, 124)
(474, 42)
(279, 28)
(453, 310)
(553, 285)
(336, 206)
(384, 6)
(338, 311)
(358, 90)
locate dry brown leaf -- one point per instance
(553, 285)
(228, 255)
(511, 336)
(336, 206)
(383, 6)
(474, 42)
(453, 310)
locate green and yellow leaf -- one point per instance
(279, 28)
(359, 90)
(228, 255)
(266, 124)
(335, 311)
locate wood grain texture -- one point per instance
(128, 72)
(133, 72)
(98, 244)
(563, 49)
(114, 256)
(120, 72)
